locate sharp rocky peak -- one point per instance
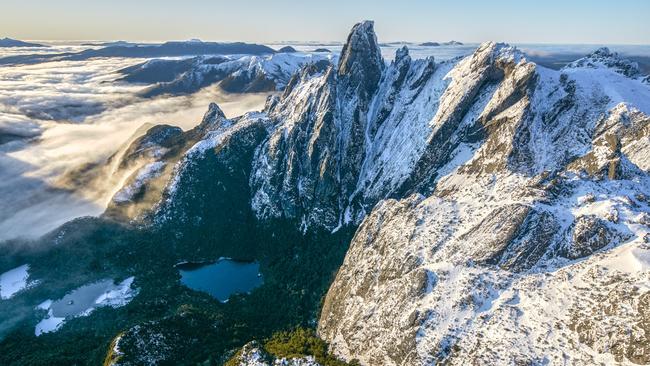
(351, 136)
(605, 58)
(504, 152)
(499, 52)
(361, 56)
(212, 117)
(402, 54)
(361, 48)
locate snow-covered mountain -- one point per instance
(503, 206)
(144, 50)
(237, 74)
(520, 229)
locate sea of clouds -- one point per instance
(58, 116)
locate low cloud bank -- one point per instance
(56, 117)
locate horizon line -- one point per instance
(333, 42)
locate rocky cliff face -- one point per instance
(503, 206)
(346, 137)
(521, 212)
(309, 167)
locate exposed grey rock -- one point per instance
(593, 323)
(396, 277)
(470, 274)
(213, 119)
(295, 170)
(620, 145)
(589, 234)
(359, 72)
(310, 164)
(513, 237)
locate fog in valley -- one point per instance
(57, 117)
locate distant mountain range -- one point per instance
(167, 49)
(8, 42)
(112, 44)
(436, 44)
(236, 74)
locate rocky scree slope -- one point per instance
(503, 206)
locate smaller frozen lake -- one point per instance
(84, 300)
(222, 278)
(14, 281)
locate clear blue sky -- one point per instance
(523, 21)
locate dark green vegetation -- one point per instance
(298, 343)
(302, 342)
(208, 217)
(297, 270)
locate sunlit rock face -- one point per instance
(309, 167)
(520, 212)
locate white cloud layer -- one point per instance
(76, 115)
